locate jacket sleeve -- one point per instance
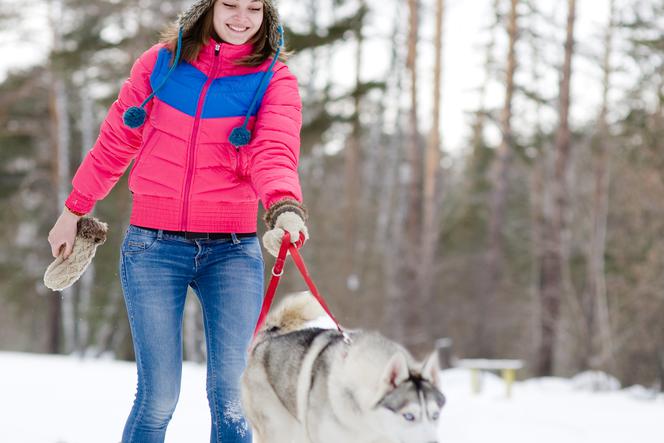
(275, 146)
(117, 144)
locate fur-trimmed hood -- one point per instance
(189, 17)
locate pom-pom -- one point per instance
(134, 117)
(240, 136)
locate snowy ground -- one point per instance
(52, 399)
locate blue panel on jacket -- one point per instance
(226, 97)
(231, 96)
(182, 88)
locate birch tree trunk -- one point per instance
(552, 260)
(596, 307)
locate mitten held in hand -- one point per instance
(62, 273)
(284, 216)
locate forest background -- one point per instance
(488, 171)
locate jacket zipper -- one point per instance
(194, 136)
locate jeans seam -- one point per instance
(142, 387)
(212, 355)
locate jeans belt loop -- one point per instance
(234, 238)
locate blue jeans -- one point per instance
(227, 276)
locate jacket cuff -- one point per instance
(80, 214)
(285, 205)
(79, 203)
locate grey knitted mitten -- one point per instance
(61, 274)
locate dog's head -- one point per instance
(410, 401)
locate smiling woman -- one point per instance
(212, 117)
(236, 21)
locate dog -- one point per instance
(307, 384)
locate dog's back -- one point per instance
(292, 314)
(278, 378)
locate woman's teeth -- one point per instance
(237, 28)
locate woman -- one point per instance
(217, 129)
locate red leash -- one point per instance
(277, 272)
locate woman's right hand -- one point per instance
(63, 233)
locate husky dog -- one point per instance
(307, 384)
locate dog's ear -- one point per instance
(430, 368)
(396, 371)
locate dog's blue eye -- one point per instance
(435, 416)
(408, 416)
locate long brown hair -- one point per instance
(199, 34)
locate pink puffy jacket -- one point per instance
(187, 176)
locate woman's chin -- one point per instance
(235, 38)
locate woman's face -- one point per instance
(236, 21)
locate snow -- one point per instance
(595, 381)
(233, 415)
(545, 410)
(59, 399)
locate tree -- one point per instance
(553, 257)
(432, 190)
(595, 303)
(499, 179)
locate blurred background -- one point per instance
(488, 171)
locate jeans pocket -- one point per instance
(138, 240)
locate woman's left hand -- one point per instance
(288, 221)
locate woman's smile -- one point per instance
(238, 29)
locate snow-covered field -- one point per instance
(53, 399)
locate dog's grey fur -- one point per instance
(307, 385)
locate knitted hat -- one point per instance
(134, 116)
(61, 274)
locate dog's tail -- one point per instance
(293, 313)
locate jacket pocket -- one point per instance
(144, 152)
